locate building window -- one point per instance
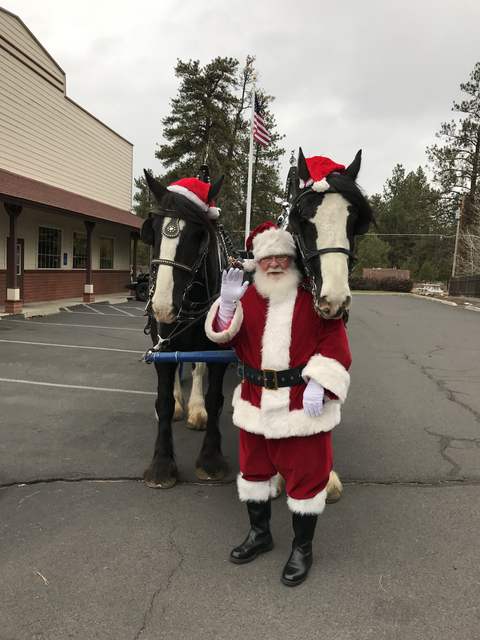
(79, 250)
(49, 248)
(106, 253)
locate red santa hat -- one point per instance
(319, 167)
(197, 192)
(268, 240)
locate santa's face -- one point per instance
(276, 276)
(275, 267)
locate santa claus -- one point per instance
(294, 370)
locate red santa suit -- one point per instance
(280, 330)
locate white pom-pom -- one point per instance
(214, 212)
(249, 264)
(321, 185)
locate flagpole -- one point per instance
(250, 171)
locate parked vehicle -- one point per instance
(140, 286)
(430, 289)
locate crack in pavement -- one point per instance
(442, 386)
(164, 588)
(345, 480)
(27, 483)
(445, 443)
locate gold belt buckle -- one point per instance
(266, 381)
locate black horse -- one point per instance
(185, 277)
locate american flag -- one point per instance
(260, 131)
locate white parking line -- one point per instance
(122, 311)
(77, 386)
(91, 313)
(69, 346)
(93, 309)
(62, 324)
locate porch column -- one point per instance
(134, 237)
(88, 294)
(13, 304)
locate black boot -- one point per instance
(259, 538)
(300, 560)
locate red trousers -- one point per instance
(304, 462)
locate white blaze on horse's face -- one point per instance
(331, 223)
(162, 301)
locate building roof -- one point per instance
(22, 190)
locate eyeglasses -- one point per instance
(281, 260)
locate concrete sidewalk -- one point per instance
(33, 309)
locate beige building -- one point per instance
(66, 227)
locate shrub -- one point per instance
(380, 284)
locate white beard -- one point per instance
(276, 288)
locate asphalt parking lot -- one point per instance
(87, 551)
(75, 381)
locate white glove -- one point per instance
(231, 291)
(313, 398)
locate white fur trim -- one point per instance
(273, 242)
(329, 373)
(321, 185)
(310, 506)
(227, 334)
(214, 212)
(254, 491)
(276, 485)
(277, 421)
(183, 191)
(249, 265)
(302, 183)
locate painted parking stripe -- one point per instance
(70, 346)
(93, 309)
(122, 311)
(77, 386)
(64, 324)
(91, 313)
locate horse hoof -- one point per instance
(178, 413)
(197, 420)
(334, 488)
(163, 484)
(214, 476)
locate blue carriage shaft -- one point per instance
(223, 355)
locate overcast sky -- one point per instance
(375, 75)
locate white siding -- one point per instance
(47, 137)
(15, 37)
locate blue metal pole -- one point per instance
(224, 355)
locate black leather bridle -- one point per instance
(307, 255)
(190, 312)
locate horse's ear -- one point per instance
(215, 189)
(353, 169)
(155, 187)
(146, 233)
(303, 172)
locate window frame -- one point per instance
(50, 227)
(100, 252)
(83, 235)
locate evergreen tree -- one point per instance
(372, 252)
(456, 166)
(410, 206)
(209, 122)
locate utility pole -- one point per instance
(458, 217)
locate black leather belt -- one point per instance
(269, 378)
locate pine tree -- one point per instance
(209, 121)
(456, 166)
